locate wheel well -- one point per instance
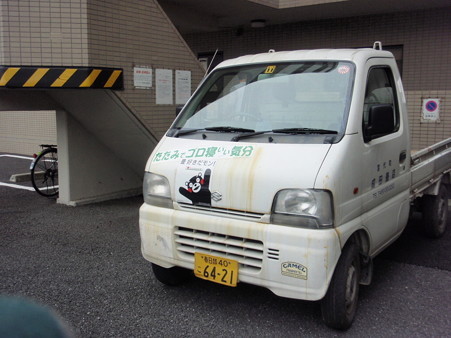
(434, 188)
(361, 239)
(446, 180)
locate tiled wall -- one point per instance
(21, 132)
(45, 32)
(99, 33)
(426, 133)
(135, 32)
(424, 36)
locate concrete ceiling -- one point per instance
(196, 16)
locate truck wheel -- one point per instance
(170, 276)
(435, 213)
(339, 306)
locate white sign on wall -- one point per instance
(182, 86)
(431, 110)
(163, 86)
(142, 77)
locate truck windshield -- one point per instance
(287, 98)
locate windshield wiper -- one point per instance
(181, 132)
(251, 132)
(229, 129)
(240, 137)
(286, 131)
(295, 131)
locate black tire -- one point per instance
(44, 173)
(170, 276)
(435, 213)
(339, 306)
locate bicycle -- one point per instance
(44, 171)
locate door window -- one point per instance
(380, 90)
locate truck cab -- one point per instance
(287, 170)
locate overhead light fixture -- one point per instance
(258, 23)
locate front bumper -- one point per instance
(291, 262)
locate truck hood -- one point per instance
(230, 175)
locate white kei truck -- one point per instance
(291, 171)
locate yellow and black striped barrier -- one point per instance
(61, 77)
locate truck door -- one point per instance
(385, 171)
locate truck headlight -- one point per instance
(303, 208)
(156, 190)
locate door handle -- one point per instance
(402, 157)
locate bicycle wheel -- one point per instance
(44, 173)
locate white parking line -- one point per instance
(17, 156)
(16, 186)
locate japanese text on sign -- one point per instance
(207, 152)
(142, 77)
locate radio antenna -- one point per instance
(211, 62)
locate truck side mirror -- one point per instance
(381, 121)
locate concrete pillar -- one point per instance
(88, 170)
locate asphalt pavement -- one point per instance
(85, 263)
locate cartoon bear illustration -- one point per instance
(197, 189)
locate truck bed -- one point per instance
(428, 166)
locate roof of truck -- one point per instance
(303, 55)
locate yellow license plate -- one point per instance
(216, 269)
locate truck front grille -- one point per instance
(248, 252)
(247, 215)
